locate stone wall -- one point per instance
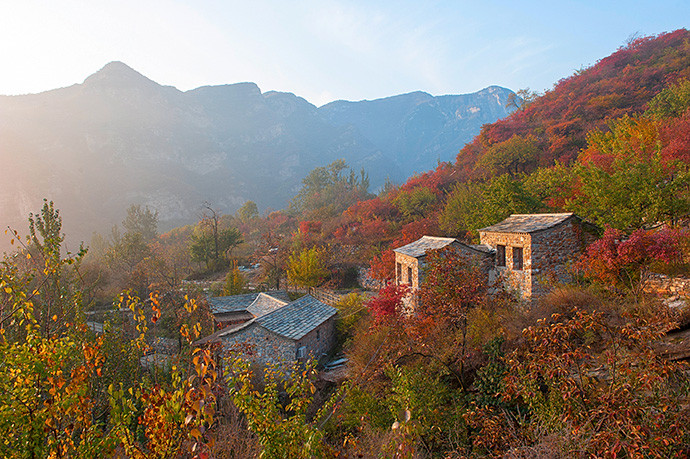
(663, 285)
(268, 348)
(403, 263)
(547, 256)
(519, 281)
(553, 251)
(319, 341)
(262, 346)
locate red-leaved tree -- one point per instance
(625, 261)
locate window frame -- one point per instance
(501, 255)
(518, 258)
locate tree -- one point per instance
(621, 261)
(672, 102)
(521, 99)
(308, 268)
(248, 211)
(415, 203)
(58, 301)
(512, 156)
(624, 180)
(595, 386)
(141, 221)
(211, 244)
(326, 191)
(388, 303)
(234, 281)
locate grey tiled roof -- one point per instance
(528, 223)
(220, 304)
(229, 330)
(298, 318)
(420, 246)
(263, 304)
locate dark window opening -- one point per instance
(317, 334)
(398, 273)
(500, 255)
(409, 275)
(517, 258)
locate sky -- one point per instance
(322, 50)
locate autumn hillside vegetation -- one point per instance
(596, 368)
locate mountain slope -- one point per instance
(121, 138)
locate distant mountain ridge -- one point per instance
(120, 138)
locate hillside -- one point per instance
(591, 145)
(619, 84)
(121, 138)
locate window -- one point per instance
(517, 258)
(409, 276)
(301, 352)
(500, 255)
(398, 273)
(317, 334)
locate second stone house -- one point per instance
(530, 252)
(410, 258)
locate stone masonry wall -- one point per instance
(406, 262)
(319, 341)
(553, 251)
(262, 346)
(517, 280)
(660, 284)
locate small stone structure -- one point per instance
(533, 250)
(530, 252)
(296, 331)
(410, 258)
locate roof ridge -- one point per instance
(271, 297)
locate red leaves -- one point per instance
(387, 303)
(618, 260)
(452, 285)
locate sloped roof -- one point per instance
(528, 223)
(233, 303)
(263, 304)
(419, 247)
(229, 330)
(298, 318)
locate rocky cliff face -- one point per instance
(120, 138)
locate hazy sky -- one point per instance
(322, 50)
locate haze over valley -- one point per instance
(120, 138)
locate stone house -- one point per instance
(410, 258)
(237, 309)
(530, 252)
(533, 251)
(294, 332)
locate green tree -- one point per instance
(248, 212)
(511, 156)
(308, 267)
(284, 431)
(415, 203)
(211, 244)
(327, 191)
(142, 221)
(234, 281)
(672, 102)
(58, 300)
(625, 182)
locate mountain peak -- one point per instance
(117, 74)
